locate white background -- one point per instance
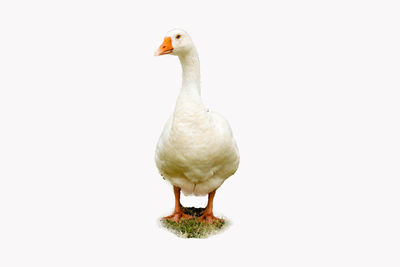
(311, 89)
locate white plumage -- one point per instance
(196, 150)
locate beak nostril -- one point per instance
(164, 46)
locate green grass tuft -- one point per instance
(192, 228)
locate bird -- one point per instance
(196, 151)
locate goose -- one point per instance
(196, 151)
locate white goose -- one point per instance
(196, 151)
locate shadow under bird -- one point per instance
(196, 151)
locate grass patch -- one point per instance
(192, 228)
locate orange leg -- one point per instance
(208, 215)
(178, 214)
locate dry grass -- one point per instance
(192, 228)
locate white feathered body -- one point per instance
(196, 150)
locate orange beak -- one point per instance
(165, 47)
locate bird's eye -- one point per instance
(178, 36)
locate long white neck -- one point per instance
(190, 73)
(189, 105)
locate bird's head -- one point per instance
(177, 42)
